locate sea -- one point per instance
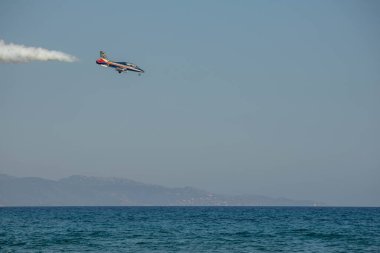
(189, 229)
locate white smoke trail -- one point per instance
(13, 53)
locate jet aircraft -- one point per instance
(118, 66)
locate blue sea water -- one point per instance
(189, 229)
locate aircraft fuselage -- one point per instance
(119, 66)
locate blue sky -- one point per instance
(278, 98)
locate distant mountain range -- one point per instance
(97, 191)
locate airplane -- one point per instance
(119, 66)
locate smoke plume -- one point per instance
(13, 53)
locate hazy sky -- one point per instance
(279, 98)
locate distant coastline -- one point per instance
(100, 191)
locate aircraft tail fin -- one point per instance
(103, 55)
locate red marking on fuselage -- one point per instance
(101, 61)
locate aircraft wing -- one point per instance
(120, 69)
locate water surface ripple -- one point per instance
(189, 229)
